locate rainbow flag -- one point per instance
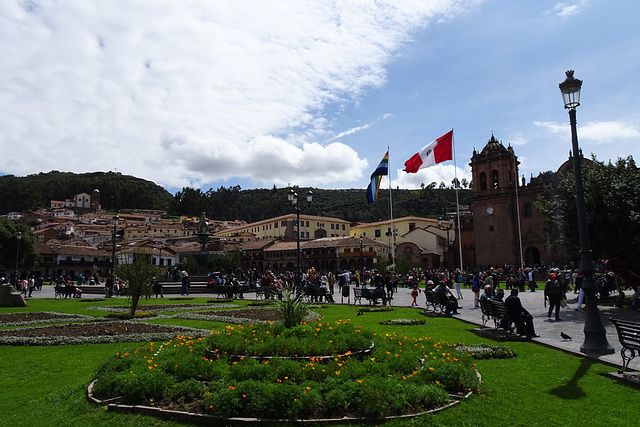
(376, 176)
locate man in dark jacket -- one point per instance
(517, 313)
(553, 292)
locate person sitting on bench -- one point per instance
(517, 313)
(446, 297)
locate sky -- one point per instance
(263, 93)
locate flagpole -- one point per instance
(393, 243)
(455, 170)
(515, 171)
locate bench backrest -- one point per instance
(628, 332)
(498, 309)
(357, 292)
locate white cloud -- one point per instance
(186, 92)
(438, 173)
(564, 10)
(596, 132)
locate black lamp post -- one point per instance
(361, 260)
(113, 249)
(448, 225)
(595, 336)
(160, 248)
(18, 237)
(293, 199)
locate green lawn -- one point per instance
(42, 386)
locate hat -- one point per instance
(552, 275)
(430, 282)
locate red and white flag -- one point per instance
(433, 153)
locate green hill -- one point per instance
(117, 191)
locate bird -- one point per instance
(565, 336)
(359, 313)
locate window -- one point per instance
(412, 226)
(494, 180)
(377, 233)
(342, 226)
(307, 225)
(528, 210)
(275, 225)
(483, 181)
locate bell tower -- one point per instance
(95, 200)
(493, 202)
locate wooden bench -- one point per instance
(371, 295)
(496, 311)
(434, 303)
(629, 337)
(59, 292)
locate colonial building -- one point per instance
(507, 227)
(285, 227)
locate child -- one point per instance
(414, 294)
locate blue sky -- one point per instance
(310, 93)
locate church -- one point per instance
(506, 226)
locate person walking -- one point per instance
(457, 281)
(185, 284)
(414, 294)
(553, 293)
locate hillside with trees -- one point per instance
(254, 205)
(119, 192)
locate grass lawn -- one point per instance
(46, 385)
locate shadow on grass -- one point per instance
(571, 390)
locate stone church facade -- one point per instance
(507, 227)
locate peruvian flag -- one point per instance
(432, 154)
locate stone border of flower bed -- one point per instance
(211, 354)
(311, 315)
(403, 322)
(178, 307)
(190, 417)
(64, 317)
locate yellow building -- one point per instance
(285, 227)
(415, 236)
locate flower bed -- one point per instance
(93, 333)
(39, 318)
(401, 375)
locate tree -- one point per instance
(382, 262)
(464, 182)
(27, 255)
(403, 263)
(138, 276)
(612, 198)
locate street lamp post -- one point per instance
(293, 199)
(448, 225)
(113, 241)
(361, 260)
(595, 336)
(18, 237)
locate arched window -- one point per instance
(528, 210)
(483, 181)
(495, 182)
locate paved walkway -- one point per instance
(572, 322)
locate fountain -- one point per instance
(203, 256)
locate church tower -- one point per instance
(95, 200)
(493, 204)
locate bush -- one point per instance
(292, 308)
